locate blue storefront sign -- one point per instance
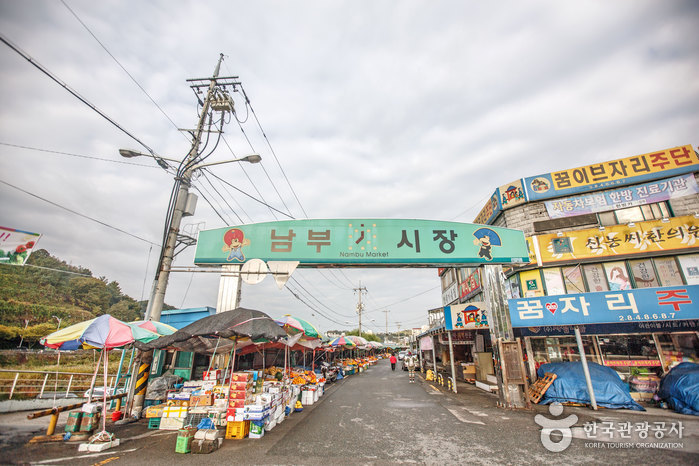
(637, 305)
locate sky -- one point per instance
(369, 109)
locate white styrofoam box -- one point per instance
(491, 379)
(91, 408)
(486, 387)
(271, 425)
(207, 434)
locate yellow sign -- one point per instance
(638, 165)
(621, 240)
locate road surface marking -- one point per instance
(460, 416)
(93, 455)
(435, 391)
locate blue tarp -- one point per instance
(680, 387)
(570, 386)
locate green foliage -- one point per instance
(366, 336)
(33, 297)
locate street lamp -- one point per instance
(157, 299)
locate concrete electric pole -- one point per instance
(386, 336)
(360, 306)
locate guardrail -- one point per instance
(34, 384)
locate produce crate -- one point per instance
(154, 423)
(184, 444)
(237, 429)
(193, 419)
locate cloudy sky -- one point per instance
(410, 109)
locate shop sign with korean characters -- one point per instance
(362, 242)
(637, 305)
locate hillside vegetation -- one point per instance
(33, 297)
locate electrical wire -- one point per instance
(249, 195)
(75, 155)
(78, 213)
(121, 66)
(75, 94)
(205, 177)
(247, 100)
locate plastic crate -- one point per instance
(183, 445)
(193, 419)
(154, 423)
(237, 429)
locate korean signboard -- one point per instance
(16, 245)
(512, 194)
(676, 233)
(629, 170)
(490, 210)
(648, 193)
(362, 242)
(467, 316)
(471, 284)
(637, 305)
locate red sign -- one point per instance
(471, 284)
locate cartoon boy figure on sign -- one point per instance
(486, 238)
(234, 240)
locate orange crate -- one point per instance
(237, 429)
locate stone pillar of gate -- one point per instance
(493, 283)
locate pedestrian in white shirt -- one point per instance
(411, 363)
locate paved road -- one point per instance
(377, 417)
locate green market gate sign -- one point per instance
(362, 242)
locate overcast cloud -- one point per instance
(410, 109)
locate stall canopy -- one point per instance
(211, 332)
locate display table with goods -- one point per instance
(245, 404)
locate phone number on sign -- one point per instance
(630, 317)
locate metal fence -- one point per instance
(40, 384)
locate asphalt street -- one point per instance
(377, 417)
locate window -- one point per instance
(554, 281)
(643, 273)
(668, 272)
(617, 276)
(573, 279)
(595, 276)
(634, 214)
(690, 268)
(447, 278)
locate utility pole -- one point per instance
(184, 176)
(360, 306)
(217, 100)
(386, 337)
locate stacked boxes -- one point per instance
(74, 418)
(239, 394)
(89, 422)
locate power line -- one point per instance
(79, 214)
(247, 101)
(121, 66)
(248, 195)
(75, 155)
(75, 94)
(52, 269)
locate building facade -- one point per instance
(614, 250)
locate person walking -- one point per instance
(393, 361)
(410, 363)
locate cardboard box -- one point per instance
(175, 411)
(236, 404)
(241, 376)
(205, 446)
(155, 411)
(201, 400)
(213, 375)
(238, 394)
(171, 423)
(241, 385)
